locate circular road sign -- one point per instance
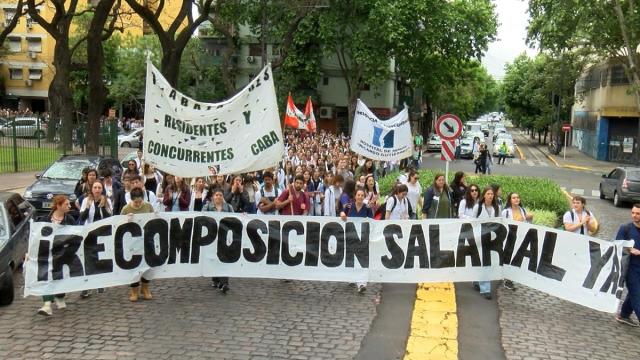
(449, 127)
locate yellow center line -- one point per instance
(434, 323)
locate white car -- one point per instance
(503, 136)
(131, 139)
(510, 147)
(466, 148)
(434, 143)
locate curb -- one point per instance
(550, 157)
(520, 152)
(566, 193)
(434, 324)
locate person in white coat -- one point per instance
(332, 194)
(486, 208)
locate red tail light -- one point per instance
(625, 184)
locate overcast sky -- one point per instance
(510, 42)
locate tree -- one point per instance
(606, 29)
(59, 90)
(442, 38)
(174, 38)
(361, 37)
(96, 35)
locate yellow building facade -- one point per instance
(26, 63)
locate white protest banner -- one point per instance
(116, 251)
(383, 140)
(189, 138)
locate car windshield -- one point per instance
(67, 169)
(4, 227)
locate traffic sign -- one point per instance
(448, 150)
(449, 127)
(566, 127)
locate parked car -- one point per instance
(131, 139)
(62, 176)
(15, 214)
(510, 147)
(24, 127)
(622, 184)
(434, 143)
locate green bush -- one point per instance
(544, 218)
(536, 193)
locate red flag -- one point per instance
(294, 118)
(311, 117)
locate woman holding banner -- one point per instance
(487, 208)
(95, 206)
(216, 203)
(357, 208)
(514, 211)
(59, 215)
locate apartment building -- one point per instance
(26, 64)
(26, 68)
(606, 118)
(330, 94)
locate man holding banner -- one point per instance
(631, 231)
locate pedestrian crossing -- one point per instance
(515, 161)
(582, 192)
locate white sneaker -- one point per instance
(46, 309)
(60, 304)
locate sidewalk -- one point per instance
(575, 159)
(16, 181)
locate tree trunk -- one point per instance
(97, 90)
(60, 93)
(170, 64)
(354, 95)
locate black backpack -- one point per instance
(573, 217)
(395, 202)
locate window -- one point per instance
(325, 81)
(618, 75)
(8, 16)
(255, 50)
(15, 74)
(34, 44)
(15, 44)
(35, 74)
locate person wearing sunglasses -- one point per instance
(131, 170)
(470, 199)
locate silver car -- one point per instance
(24, 127)
(132, 139)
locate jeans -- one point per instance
(50, 297)
(220, 280)
(485, 287)
(632, 302)
(136, 284)
(501, 159)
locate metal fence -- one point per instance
(24, 144)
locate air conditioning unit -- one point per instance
(251, 59)
(29, 82)
(33, 55)
(326, 112)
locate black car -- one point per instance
(15, 214)
(62, 176)
(622, 184)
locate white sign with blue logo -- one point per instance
(383, 140)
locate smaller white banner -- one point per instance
(377, 139)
